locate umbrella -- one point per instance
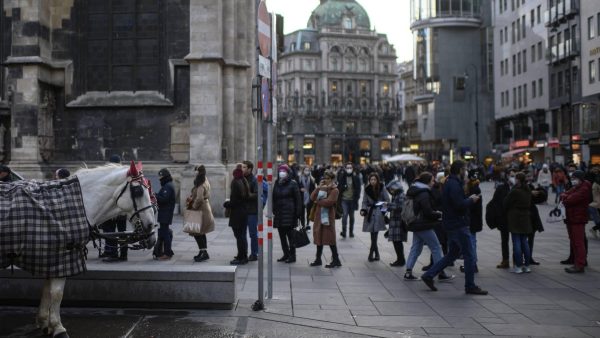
(404, 158)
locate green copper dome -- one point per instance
(332, 13)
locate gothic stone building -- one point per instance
(166, 82)
(337, 89)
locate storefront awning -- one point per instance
(511, 153)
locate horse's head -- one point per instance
(135, 199)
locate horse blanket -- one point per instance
(43, 227)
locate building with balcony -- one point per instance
(590, 89)
(521, 59)
(564, 62)
(337, 89)
(410, 140)
(453, 70)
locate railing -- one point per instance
(558, 12)
(563, 50)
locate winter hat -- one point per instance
(284, 167)
(579, 174)
(114, 158)
(238, 173)
(164, 172)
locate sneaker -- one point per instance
(526, 269)
(202, 256)
(410, 277)
(476, 291)
(429, 282)
(445, 278)
(517, 270)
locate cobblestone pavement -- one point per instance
(363, 298)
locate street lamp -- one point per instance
(476, 105)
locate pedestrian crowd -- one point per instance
(442, 208)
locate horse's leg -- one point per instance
(44, 310)
(57, 287)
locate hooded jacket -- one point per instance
(423, 206)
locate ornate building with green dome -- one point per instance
(337, 89)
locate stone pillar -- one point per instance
(213, 97)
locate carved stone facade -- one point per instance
(166, 82)
(337, 89)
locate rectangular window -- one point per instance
(552, 86)
(532, 17)
(533, 54)
(514, 98)
(524, 60)
(559, 84)
(512, 5)
(519, 63)
(591, 28)
(598, 23)
(533, 89)
(525, 95)
(514, 65)
(592, 72)
(539, 50)
(501, 37)
(520, 97)
(513, 32)
(540, 87)
(502, 99)
(506, 34)
(575, 79)
(518, 27)
(523, 28)
(507, 95)
(538, 14)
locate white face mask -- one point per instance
(512, 180)
(348, 171)
(283, 174)
(575, 182)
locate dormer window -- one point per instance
(347, 22)
(307, 46)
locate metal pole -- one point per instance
(270, 157)
(570, 114)
(477, 114)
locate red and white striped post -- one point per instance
(259, 178)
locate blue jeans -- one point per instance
(459, 241)
(474, 243)
(594, 215)
(348, 212)
(424, 237)
(253, 232)
(521, 250)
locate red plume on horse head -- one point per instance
(134, 170)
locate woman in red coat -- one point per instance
(576, 201)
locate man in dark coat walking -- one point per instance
(455, 219)
(349, 188)
(165, 199)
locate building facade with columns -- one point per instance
(337, 89)
(165, 82)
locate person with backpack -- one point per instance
(374, 221)
(420, 217)
(397, 233)
(455, 219)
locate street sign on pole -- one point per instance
(264, 29)
(264, 67)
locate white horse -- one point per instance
(107, 192)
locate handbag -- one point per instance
(192, 222)
(313, 211)
(556, 215)
(300, 237)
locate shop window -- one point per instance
(365, 145)
(386, 146)
(309, 146)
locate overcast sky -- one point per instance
(390, 17)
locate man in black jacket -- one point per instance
(349, 188)
(252, 208)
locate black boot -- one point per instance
(371, 252)
(318, 261)
(399, 249)
(335, 259)
(202, 256)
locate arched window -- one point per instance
(347, 22)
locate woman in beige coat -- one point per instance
(325, 197)
(199, 200)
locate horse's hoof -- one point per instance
(61, 335)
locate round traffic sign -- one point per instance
(264, 29)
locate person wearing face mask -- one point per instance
(287, 210)
(576, 201)
(325, 196)
(349, 187)
(517, 206)
(307, 186)
(544, 178)
(495, 216)
(374, 220)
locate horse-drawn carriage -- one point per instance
(45, 226)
